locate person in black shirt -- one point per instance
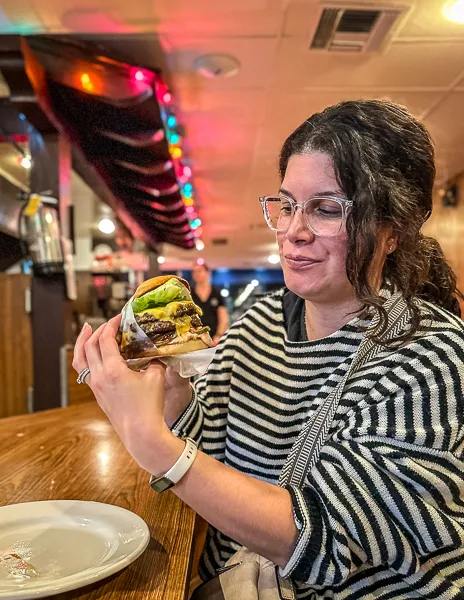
(209, 299)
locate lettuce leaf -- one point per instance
(171, 291)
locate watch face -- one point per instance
(161, 484)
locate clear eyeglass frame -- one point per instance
(343, 202)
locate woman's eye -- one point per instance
(329, 210)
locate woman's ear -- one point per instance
(391, 243)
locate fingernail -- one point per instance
(84, 328)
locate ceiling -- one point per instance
(236, 126)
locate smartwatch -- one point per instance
(178, 470)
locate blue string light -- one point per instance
(195, 224)
(172, 121)
(174, 139)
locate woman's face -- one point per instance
(313, 266)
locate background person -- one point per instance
(209, 299)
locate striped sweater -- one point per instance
(382, 511)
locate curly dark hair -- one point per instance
(384, 161)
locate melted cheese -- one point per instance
(166, 313)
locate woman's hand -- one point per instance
(134, 402)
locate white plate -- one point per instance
(68, 542)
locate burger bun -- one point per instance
(173, 349)
(156, 282)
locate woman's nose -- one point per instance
(298, 231)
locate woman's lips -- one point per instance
(299, 262)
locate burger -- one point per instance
(164, 311)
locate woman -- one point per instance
(209, 299)
(381, 513)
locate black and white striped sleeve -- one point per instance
(387, 489)
(205, 418)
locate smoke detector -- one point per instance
(216, 65)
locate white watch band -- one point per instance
(183, 463)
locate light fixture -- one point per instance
(274, 259)
(161, 260)
(255, 283)
(25, 162)
(200, 261)
(199, 245)
(106, 226)
(224, 293)
(86, 82)
(454, 11)
(216, 65)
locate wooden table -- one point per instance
(73, 454)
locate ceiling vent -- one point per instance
(354, 28)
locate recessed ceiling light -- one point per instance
(454, 11)
(274, 259)
(106, 226)
(25, 162)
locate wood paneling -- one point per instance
(446, 225)
(77, 394)
(50, 322)
(15, 346)
(74, 453)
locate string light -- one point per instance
(139, 76)
(86, 82)
(199, 245)
(183, 172)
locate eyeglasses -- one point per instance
(323, 215)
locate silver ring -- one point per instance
(82, 375)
